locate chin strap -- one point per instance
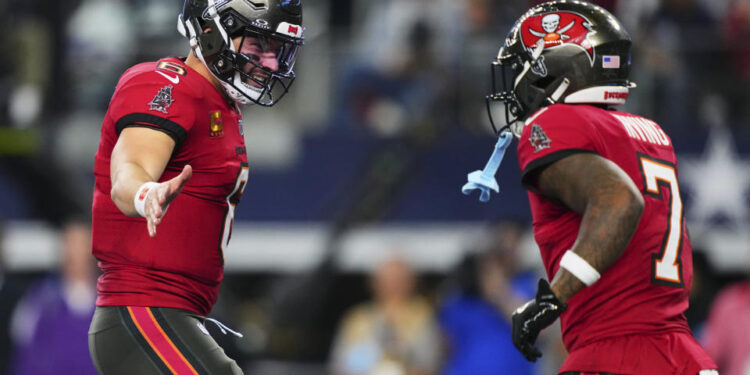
(484, 180)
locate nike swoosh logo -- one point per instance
(175, 79)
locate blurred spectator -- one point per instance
(727, 333)
(634, 13)
(476, 316)
(100, 43)
(10, 293)
(610, 5)
(33, 95)
(680, 53)
(27, 77)
(50, 324)
(31, 100)
(390, 45)
(395, 334)
(736, 33)
(399, 71)
(30, 80)
(702, 293)
(29, 97)
(486, 24)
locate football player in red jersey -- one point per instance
(604, 195)
(170, 169)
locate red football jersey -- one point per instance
(646, 289)
(183, 265)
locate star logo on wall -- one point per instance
(717, 183)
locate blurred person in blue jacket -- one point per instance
(475, 316)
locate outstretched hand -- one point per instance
(159, 198)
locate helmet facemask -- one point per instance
(245, 73)
(503, 103)
(267, 30)
(513, 92)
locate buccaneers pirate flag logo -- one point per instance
(162, 100)
(538, 138)
(557, 29)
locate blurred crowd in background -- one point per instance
(385, 119)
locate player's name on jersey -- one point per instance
(643, 130)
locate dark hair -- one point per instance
(464, 279)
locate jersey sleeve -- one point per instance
(551, 134)
(150, 100)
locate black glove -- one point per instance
(534, 316)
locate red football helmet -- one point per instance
(560, 52)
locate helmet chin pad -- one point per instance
(234, 94)
(241, 92)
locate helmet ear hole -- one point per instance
(210, 42)
(514, 109)
(223, 65)
(545, 82)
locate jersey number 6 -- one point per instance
(666, 267)
(232, 199)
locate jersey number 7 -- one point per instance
(666, 266)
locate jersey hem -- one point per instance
(594, 356)
(160, 305)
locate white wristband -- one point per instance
(579, 267)
(139, 200)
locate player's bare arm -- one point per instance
(609, 202)
(139, 156)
